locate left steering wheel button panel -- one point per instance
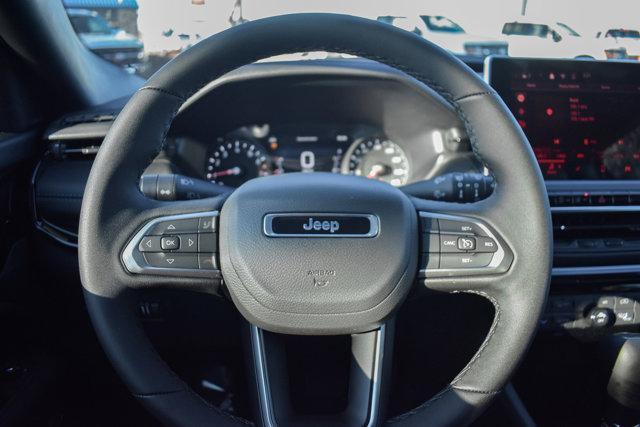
(172, 260)
(180, 245)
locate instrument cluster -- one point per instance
(260, 150)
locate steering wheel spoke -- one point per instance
(369, 366)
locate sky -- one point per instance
(480, 17)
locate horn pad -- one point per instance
(318, 253)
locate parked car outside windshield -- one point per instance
(144, 34)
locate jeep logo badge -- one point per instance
(330, 226)
(321, 225)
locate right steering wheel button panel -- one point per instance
(452, 245)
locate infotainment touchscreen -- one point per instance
(581, 117)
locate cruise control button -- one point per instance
(449, 243)
(207, 224)
(170, 243)
(172, 260)
(175, 227)
(208, 242)
(466, 243)
(188, 243)
(431, 242)
(465, 260)
(449, 226)
(207, 262)
(149, 244)
(486, 244)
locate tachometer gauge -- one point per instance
(377, 158)
(232, 162)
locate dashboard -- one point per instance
(372, 122)
(362, 118)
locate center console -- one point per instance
(583, 122)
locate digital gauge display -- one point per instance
(261, 150)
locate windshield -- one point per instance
(142, 35)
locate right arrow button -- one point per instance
(189, 243)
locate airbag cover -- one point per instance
(319, 284)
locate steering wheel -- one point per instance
(316, 254)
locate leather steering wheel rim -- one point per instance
(113, 208)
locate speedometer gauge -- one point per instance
(232, 162)
(377, 158)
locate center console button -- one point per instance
(624, 317)
(625, 302)
(607, 302)
(465, 260)
(601, 317)
(172, 260)
(450, 226)
(170, 243)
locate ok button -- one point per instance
(170, 243)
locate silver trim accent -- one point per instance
(264, 391)
(585, 209)
(374, 404)
(130, 254)
(595, 270)
(374, 224)
(260, 364)
(496, 260)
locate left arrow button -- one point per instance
(149, 244)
